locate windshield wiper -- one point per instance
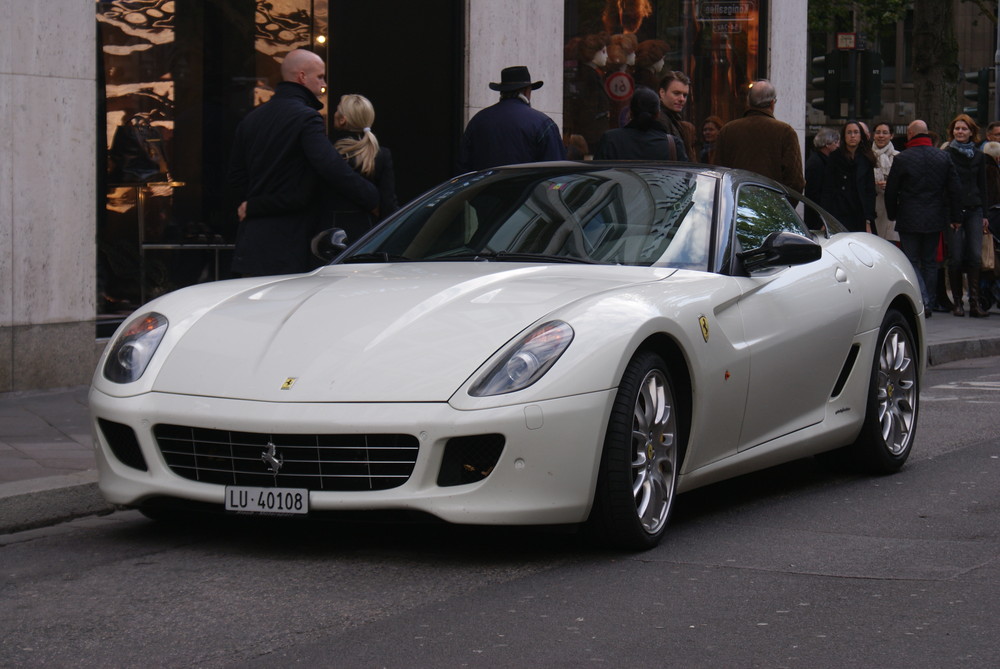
(513, 256)
(378, 256)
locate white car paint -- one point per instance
(396, 347)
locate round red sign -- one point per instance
(619, 86)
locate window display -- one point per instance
(177, 79)
(613, 46)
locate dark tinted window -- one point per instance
(761, 211)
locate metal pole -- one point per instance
(856, 68)
(996, 67)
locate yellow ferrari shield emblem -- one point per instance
(289, 382)
(703, 322)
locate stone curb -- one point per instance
(26, 505)
(950, 351)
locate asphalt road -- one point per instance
(798, 566)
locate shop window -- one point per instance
(612, 46)
(177, 76)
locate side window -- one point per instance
(761, 211)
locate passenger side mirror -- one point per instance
(329, 244)
(781, 249)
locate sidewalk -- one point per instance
(47, 467)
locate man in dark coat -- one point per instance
(510, 131)
(760, 143)
(923, 195)
(282, 162)
(675, 88)
(824, 143)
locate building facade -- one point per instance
(117, 118)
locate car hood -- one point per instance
(364, 333)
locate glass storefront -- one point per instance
(716, 43)
(178, 76)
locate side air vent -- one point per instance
(845, 372)
(123, 443)
(469, 459)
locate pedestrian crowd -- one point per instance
(934, 202)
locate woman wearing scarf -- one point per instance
(849, 180)
(884, 153)
(965, 238)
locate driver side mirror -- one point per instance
(781, 249)
(329, 244)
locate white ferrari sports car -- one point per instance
(558, 343)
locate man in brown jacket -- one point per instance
(760, 143)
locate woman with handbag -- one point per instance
(884, 153)
(643, 137)
(965, 238)
(989, 281)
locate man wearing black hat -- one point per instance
(510, 131)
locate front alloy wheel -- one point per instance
(638, 476)
(653, 448)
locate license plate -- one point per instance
(247, 499)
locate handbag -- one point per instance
(137, 152)
(989, 254)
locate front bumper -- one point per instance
(546, 473)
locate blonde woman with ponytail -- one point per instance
(360, 148)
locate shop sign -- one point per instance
(727, 11)
(847, 41)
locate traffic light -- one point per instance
(870, 75)
(981, 94)
(851, 81)
(830, 71)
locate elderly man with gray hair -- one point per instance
(825, 142)
(759, 142)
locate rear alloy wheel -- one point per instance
(893, 400)
(638, 476)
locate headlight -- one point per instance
(526, 362)
(134, 348)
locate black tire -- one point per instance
(637, 481)
(178, 512)
(165, 515)
(886, 437)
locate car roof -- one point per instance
(736, 175)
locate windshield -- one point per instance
(627, 216)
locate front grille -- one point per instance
(336, 462)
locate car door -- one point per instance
(799, 321)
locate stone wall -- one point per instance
(514, 33)
(47, 193)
